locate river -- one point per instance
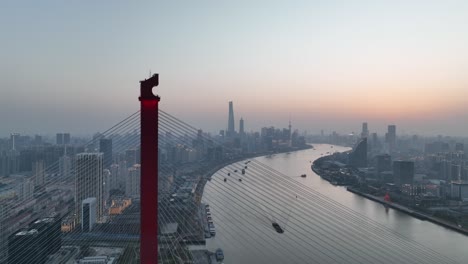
(243, 218)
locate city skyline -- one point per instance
(354, 129)
(329, 65)
(417, 173)
(233, 132)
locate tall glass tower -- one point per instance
(241, 126)
(231, 131)
(89, 181)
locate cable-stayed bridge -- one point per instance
(166, 206)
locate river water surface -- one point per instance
(243, 212)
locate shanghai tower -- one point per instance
(230, 131)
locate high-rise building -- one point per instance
(358, 157)
(455, 172)
(88, 216)
(65, 164)
(241, 126)
(25, 189)
(114, 176)
(89, 181)
(390, 137)
(92, 147)
(231, 131)
(39, 173)
(375, 141)
(122, 174)
(66, 138)
(138, 155)
(131, 157)
(59, 139)
(14, 138)
(199, 145)
(383, 163)
(105, 146)
(403, 172)
(107, 179)
(132, 186)
(9, 163)
(365, 130)
(445, 170)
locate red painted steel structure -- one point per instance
(149, 171)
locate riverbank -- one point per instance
(409, 211)
(412, 212)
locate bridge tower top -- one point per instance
(146, 88)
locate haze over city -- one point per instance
(328, 64)
(233, 132)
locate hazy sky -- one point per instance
(75, 65)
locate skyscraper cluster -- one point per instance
(365, 130)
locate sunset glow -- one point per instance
(346, 62)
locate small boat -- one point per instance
(303, 175)
(219, 254)
(229, 174)
(277, 228)
(245, 167)
(225, 179)
(235, 170)
(240, 180)
(243, 171)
